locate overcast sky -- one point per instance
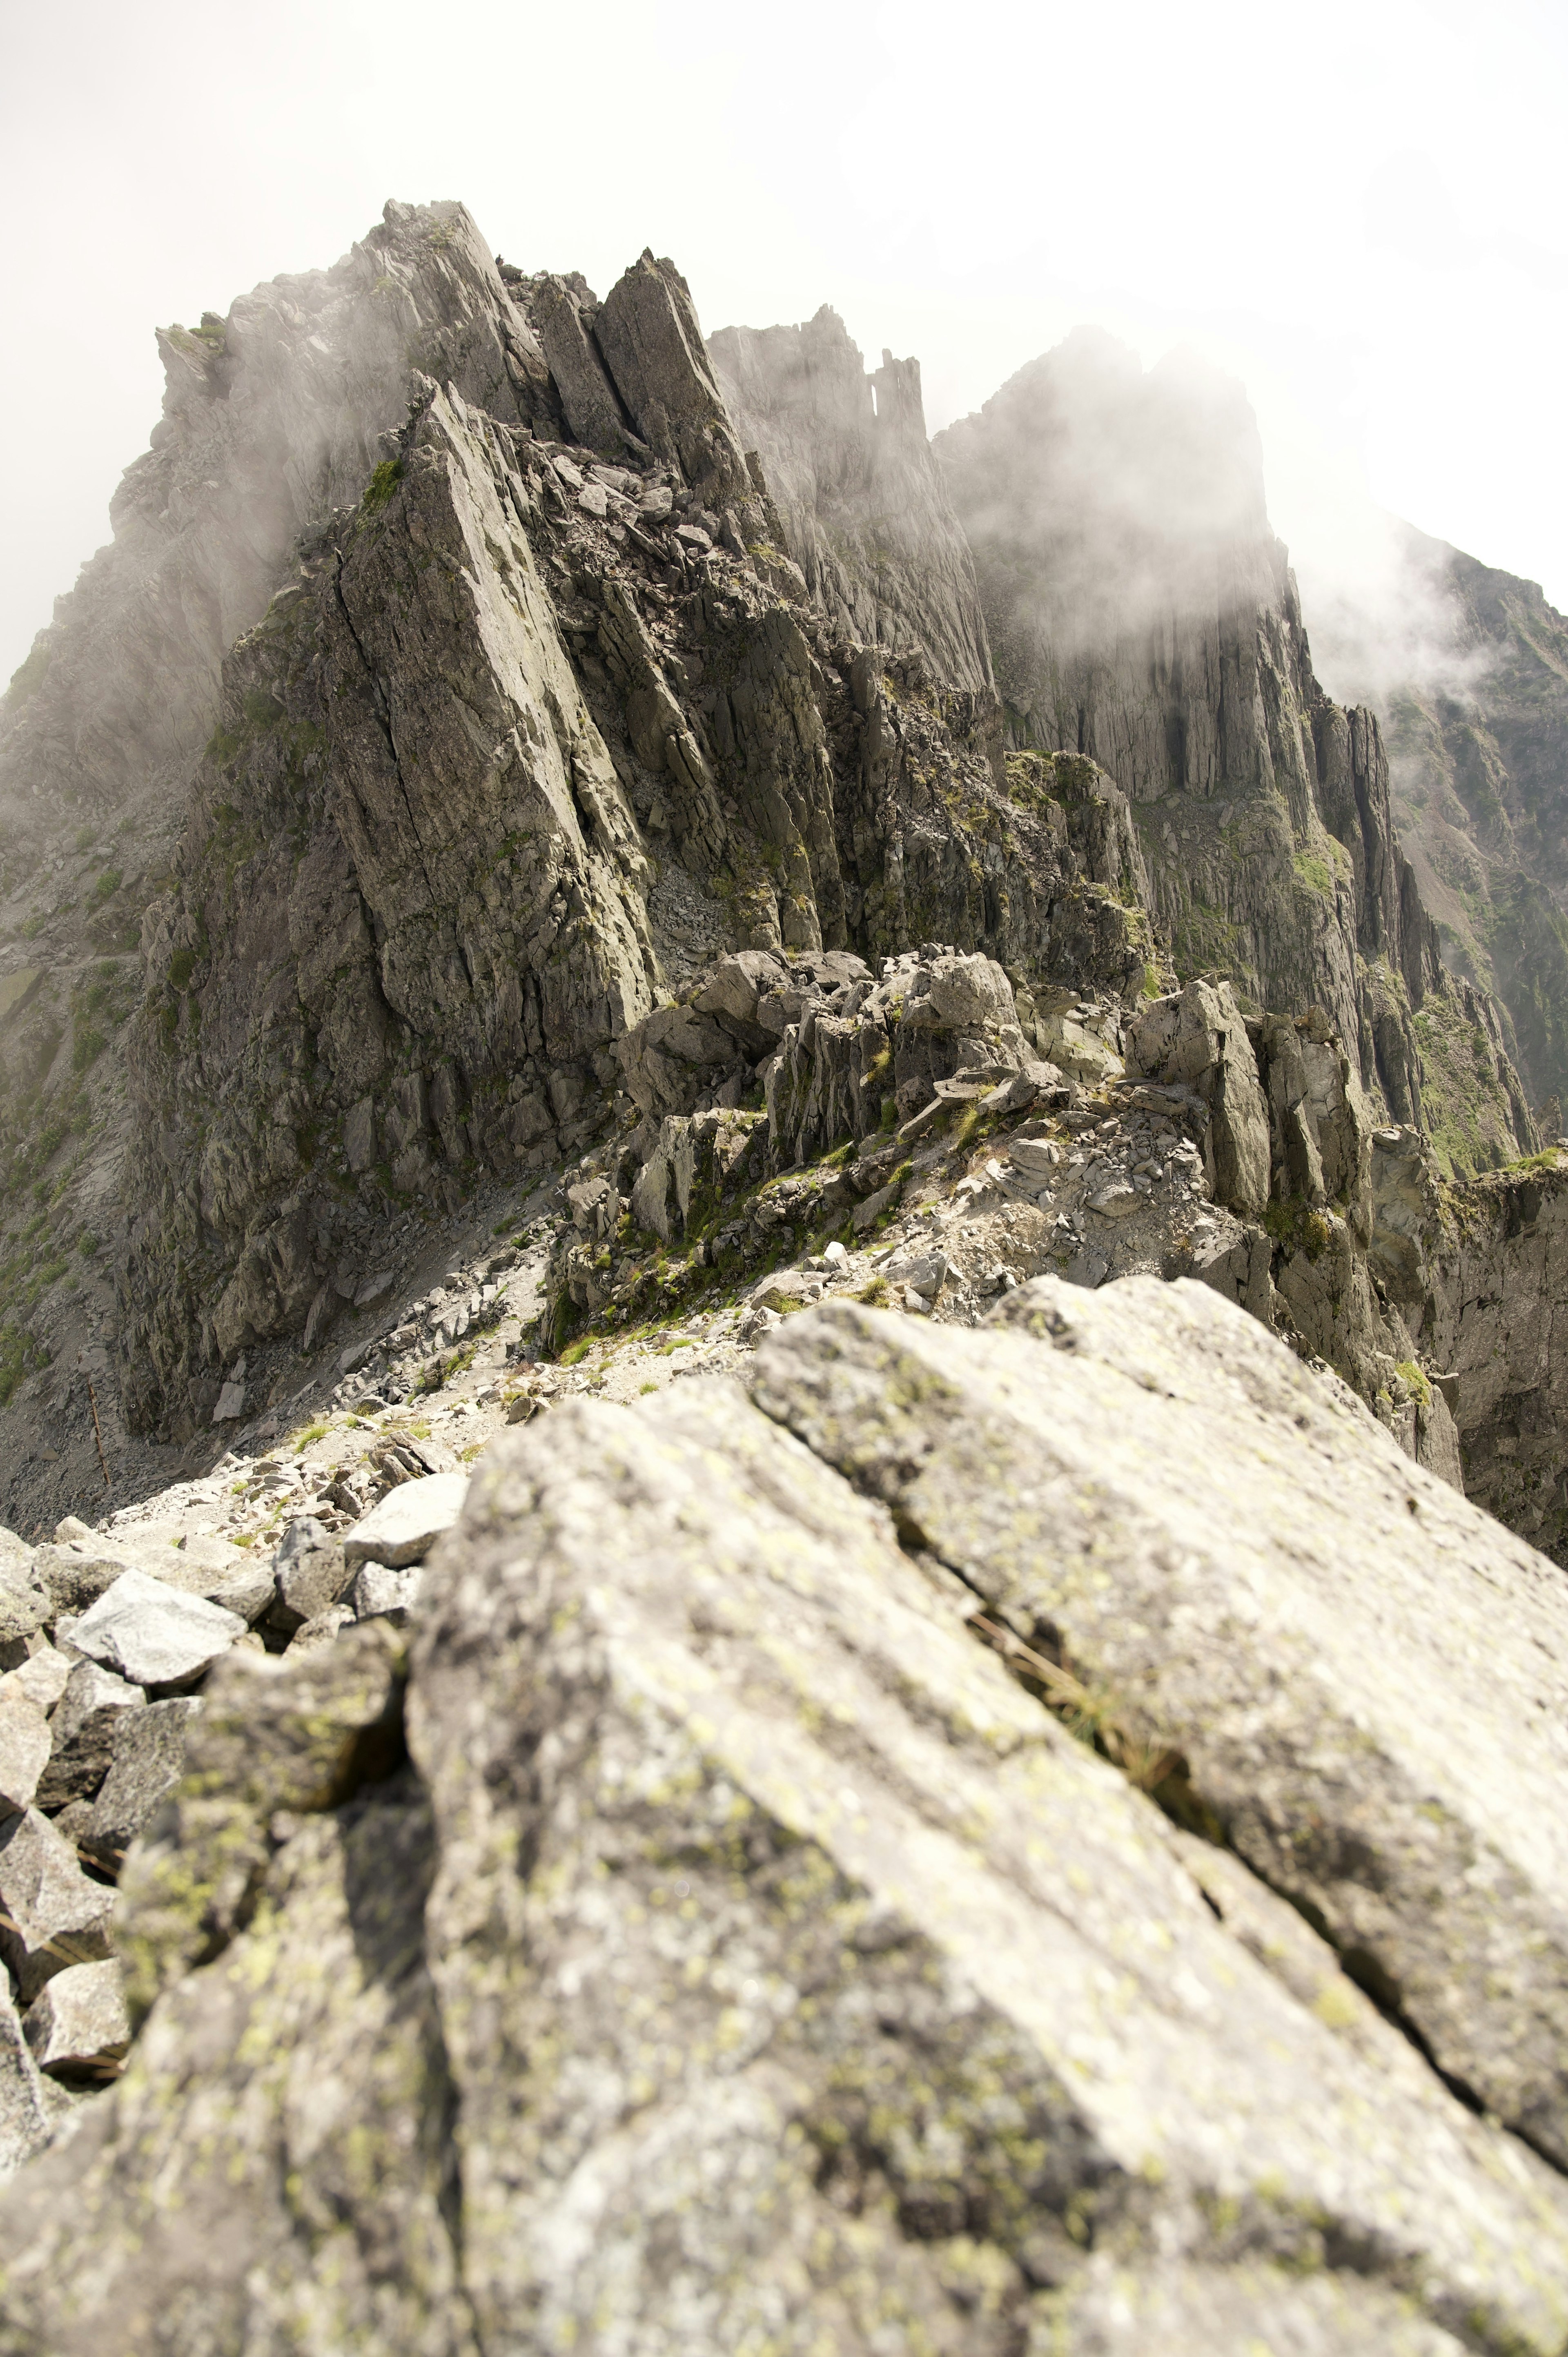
(1355, 207)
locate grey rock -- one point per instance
(296, 1732)
(53, 1914)
(649, 334)
(25, 1742)
(864, 510)
(322, 1629)
(82, 1733)
(362, 2142)
(310, 1572)
(1149, 1436)
(1199, 1037)
(1197, 2311)
(77, 1574)
(154, 1634)
(25, 2117)
(41, 1677)
(78, 2026)
(26, 1600)
(767, 1920)
(381, 1593)
(407, 1523)
(1038, 1157)
(146, 1759)
(588, 398)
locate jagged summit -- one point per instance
(866, 510)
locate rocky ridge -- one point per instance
(997, 1390)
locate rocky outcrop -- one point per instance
(1141, 610)
(1480, 1277)
(273, 418)
(865, 511)
(751, 1947)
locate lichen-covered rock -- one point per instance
(298, 1733)
(760, 1958)
(1116, 1496)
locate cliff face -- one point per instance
(865, 511)
(1479, 754)
(272, 417)
(1142, 611)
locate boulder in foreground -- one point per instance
(749, 1958)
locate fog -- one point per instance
(1355, 214)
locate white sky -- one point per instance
(1357, 206)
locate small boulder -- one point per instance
(379, 1593)
(155, 1634)
(82, 1733)
(41, 1677)
(23, 1749)
(146, 1760)
(79, 2027)
(406, 1524)
(309, 1573)
(25, 2112)
(51, 1914)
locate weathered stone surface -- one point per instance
(146, 1760)
(77, 1574)
(771, 1924)
(26, 2118)
(1199, 1037)
(310, 1572)
(520, 841)
(79, 2024)
(328, 2224)
(82, 1732)
(380, 1592)
(407, 1523)
(25, 1742)
(588, 398)
(1118, 1494)
(42, 1677)
(298, 1733)
(54, 1915)
(1196, 2311)
(155, 1635)
(25, 1596)
(649, 333)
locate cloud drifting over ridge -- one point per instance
(1357, 218)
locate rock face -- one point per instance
(1479, 1283)
(1140, 611)
(273, 418)
(753, 1948)
(477, 767)
(1477, 752)
(865, 511)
